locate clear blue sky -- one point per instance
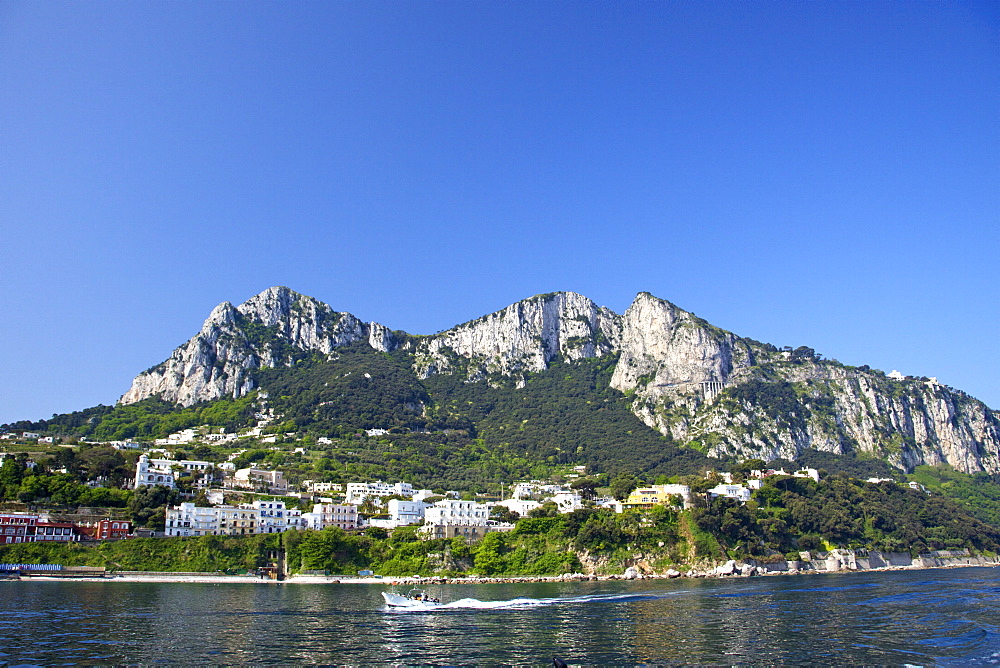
(804, 173)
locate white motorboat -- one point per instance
(415, 598)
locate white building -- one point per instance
(275, 517)
(527, 490)
(455, 511)
(566, 501)
(610, 503)
(357, 492)
(423, 494)
(320, 487)
(401, 513)
(260, 479)
(738, 492)
(181, 437)
(451, 517)
(801, 473)
(520, 506)
(125, 445)
(342, 516)
(149, 472)
(188, 519)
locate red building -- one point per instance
(17, 528)
(28, 528)
(113, 529)
(57, 531)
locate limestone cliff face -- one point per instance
(665, 350)
(269, 329)
(838, 409)
(684, 377)
(523, 338)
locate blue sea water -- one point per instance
(931, 617)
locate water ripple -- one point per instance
(850, 618)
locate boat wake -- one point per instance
(520, 603)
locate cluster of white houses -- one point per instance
(165, 471)
(261, 516)
(445, 518)
(398, 504)
(653, 495)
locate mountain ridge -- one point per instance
(702, 386)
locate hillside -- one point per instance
(558, 379)
(786, 517)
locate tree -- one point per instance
(489, 559)
(622, 485)
(330, 549)
(32, 487)
(147, 501)
(701, 484)
(587, 487)
(11, 474)
(105, 463)
(743, 470)
(805, 353)
(547, 509)
(504, 514)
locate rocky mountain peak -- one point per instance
(682, 376)
(269, 329)
(664, 346)
(223, 314)
(524, 337)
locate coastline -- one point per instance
(737, 573)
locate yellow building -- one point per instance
(656, 495)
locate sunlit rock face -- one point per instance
(684, 377)
(524, 337)
(266, 330)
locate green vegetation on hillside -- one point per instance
(849, 464)
(567, 414)
(145, 420)
(789, 513)
(979, 494)
(206, 554)
(786, 515)
(356, 388)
